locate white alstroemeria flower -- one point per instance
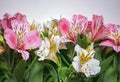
(51, 28)
(84, 61)
(43, 49)
(49, 48)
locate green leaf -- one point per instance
(98, 53)
(19, 70)
(110, 75)
(105, 63)
(3, 63)
(82, 41)
(10, 77)
(65, 60)
(52, 71)
(65, 57)
(36, 72)
(89, 80)
(63, 73)
(5, 72)
(118, 67)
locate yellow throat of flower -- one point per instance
(34, 26)
(84, 58)
(116, 35)
(53, 46)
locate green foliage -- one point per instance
(19, 70)
(83, 41)
(36, 72)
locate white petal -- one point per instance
(46, 42)
(76, 58)
(57, 38)
(93, 62)
(76, 63)
(76, 66)
(92, 46)
(95, 70)
(80, 50)
(77, 48)
(91, 68)
(43, 49)
(92, 53)
(41, 58)
(84, 52)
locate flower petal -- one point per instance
(116, 48)
(108, 42)
(64, 26)
(100, 34)
(91, 68)
(76, 63)
(6, 21)
(10, 38)
(80, 23)
(93, 62)
(80, 50)
(25, 54)
(32, 40)
(64, 39)
(43, 50)
(97, 27)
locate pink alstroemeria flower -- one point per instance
(6, 21)
(112, 37)
(70, 30)
(20, 37)
(68, 35)
(96, 28)
(79, 23)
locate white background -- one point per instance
(42, 10)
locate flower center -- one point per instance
(53, 46)
(71, 36)
(20, 30)
(84, 58)
(116, 36)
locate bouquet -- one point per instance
(59, 50)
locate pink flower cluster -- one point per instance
(95, 30)
(18, 35)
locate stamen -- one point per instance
(84, 58)
(116, 35)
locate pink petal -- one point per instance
(25, 54)
(117, 48)
(20, 17)
(100, 34)
(69, 38)
(64, 26)
(64, 39)
(32, 40)
(80, 22)
(6, 21)
(97, 22)
(10, 38)
(89, 27)
(109, 43)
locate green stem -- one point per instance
(69, 76)
(8, 58)
(13, 60)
